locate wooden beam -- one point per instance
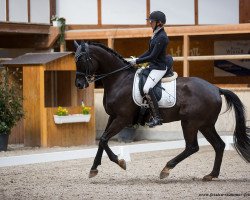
(148, 10)
(196, 12)
(219, 57)
(185, 55)
(7, 10)
(147, 32)
(28, 7)
(63, 47)
(53, 36)
(107, 33)
(23, 28)
(52, 8)
(43, 113)
(178, 59)
(111, 43)
(209, 30)
(244, 13)
(5, 59)
(99, 11)
(33, 93)
(212, 57)
(73, 89)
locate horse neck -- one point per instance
(107, 64)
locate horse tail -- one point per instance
(241, 132)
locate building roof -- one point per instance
(36, 58)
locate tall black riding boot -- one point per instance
(154, 108)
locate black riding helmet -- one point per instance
(157, 16)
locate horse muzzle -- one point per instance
(81, 85)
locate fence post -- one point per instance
(124, 153)
(185, 55)
(111, 43)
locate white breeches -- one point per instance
(153, 78)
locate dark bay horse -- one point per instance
(198, 105)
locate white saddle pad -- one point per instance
(168, 98)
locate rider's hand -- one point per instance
(133, 61)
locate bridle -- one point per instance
(82, 54)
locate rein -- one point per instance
(83, 51)
(93, 78)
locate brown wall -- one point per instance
(199, 45)
(204, 45)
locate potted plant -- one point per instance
(61, 23)
(62, 111)
(55, 20)
(62, 116)
(11, 107)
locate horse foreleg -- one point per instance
(97, 161)
(98, 157)
(113, 127)
(103, 145)
(110, 153)
(190, 135)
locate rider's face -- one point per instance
(152, 24)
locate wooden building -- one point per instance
(48, 82)
(193, 47)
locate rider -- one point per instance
(156, 55)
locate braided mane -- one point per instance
(115, 53)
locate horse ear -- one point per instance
(83, 45)
(76, 44)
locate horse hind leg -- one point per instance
(214, 139)
(190, 134)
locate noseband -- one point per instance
(82, 54)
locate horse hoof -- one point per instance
(122, 164)
(93, 173)
(164, 173)
(209, 178)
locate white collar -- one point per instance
(156, 31)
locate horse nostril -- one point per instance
(77, 84)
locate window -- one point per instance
(218, 12)
(176, 11)
(124, 12)
(18, 10)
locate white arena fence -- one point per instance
(123, 151)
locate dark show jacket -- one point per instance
(156, 55)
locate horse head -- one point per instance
(106, 62)
(85, 66)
